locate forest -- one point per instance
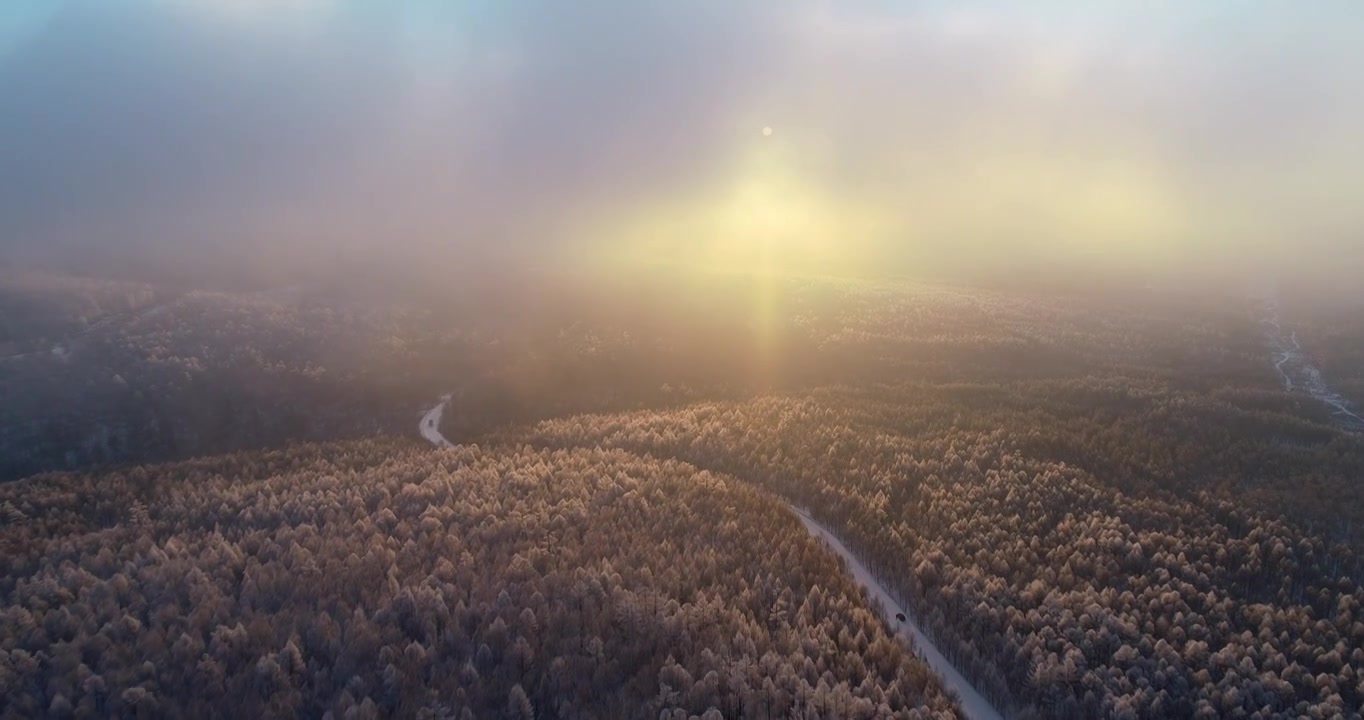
(1067, 588)
(696, 360)
(379, 578)
(1096, 504)
(99, 373)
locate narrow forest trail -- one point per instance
(973, 704)
(1297, 372)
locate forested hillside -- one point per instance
(42, 313)
(117, 373)
(1100, 505)
(689, 360)
(1332, 337)
(1084, 549)
(384, 579)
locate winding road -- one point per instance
(1297, 371)
(430, 424)
(973, 704)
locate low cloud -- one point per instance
(924, 135)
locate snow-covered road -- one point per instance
(430, 424)
(973, 703)
(1297, 371)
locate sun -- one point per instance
(767, 132)
(770, 212)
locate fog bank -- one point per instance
(840, 137)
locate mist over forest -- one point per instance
(681, 360)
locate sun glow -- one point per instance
(772, 215)
(769, 216)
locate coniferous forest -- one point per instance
(1090, 511)
(681, 360)
(379, 578)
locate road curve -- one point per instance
(1297, 372)
(430, 424)
(973, 704)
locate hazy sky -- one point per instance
(904, 135)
